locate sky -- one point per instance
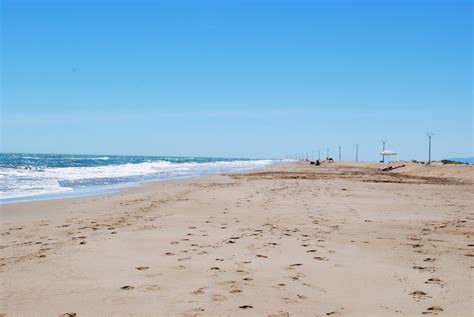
(259, 78)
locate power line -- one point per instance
(383, 149)
(429, 135)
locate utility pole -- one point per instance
(319, 155)
(357, 152)
(383, 149)
(339, 153)
(429, 135)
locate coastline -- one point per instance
(342, 238)
(103, 190)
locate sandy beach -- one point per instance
(341, 239)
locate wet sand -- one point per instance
(336, 240)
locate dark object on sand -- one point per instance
(453, 162)
(312, 162)
(68, 315)
(318, 162)
(391, 168)
(330, 160)
(141, 268)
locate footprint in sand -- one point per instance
(199, 291)
(141, 268)
(169, 253)
(127, 288)
(262, 256)
(218, 298)
(434, 310)
(320, 258)
(149, 288)
(421, 268)
(418, 294)
(62, 315)
(226, 283)
(433, 280)
(198, 309)
(290, 300)
(429, 259)
(235, 291)
(246, 307)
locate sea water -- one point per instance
(46, 176)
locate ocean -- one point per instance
(46, 176)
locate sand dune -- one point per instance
(341, 239)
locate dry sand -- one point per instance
(298, 240)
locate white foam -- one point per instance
(25, 182)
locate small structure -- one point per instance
(388, 153)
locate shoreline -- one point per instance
(23, 209)
(339, 239)
(123, 187)
(109, 189)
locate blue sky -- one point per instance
(237, 78)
